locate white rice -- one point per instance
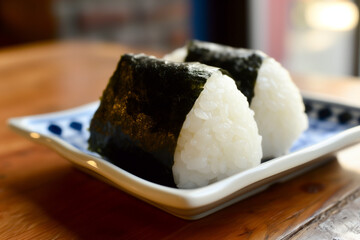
(219, 136)
(279, 109)
(178, 55)
(277, 103)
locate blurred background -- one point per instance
(306, 36)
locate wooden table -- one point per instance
(42, 196)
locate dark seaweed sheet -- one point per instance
(141, 114)
(243, 69)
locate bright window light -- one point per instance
(334, 15)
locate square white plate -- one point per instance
(332, 126)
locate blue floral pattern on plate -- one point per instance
(326, 120)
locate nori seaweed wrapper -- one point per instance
(142, 111)
(241, 64)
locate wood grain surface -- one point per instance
(42, 196)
